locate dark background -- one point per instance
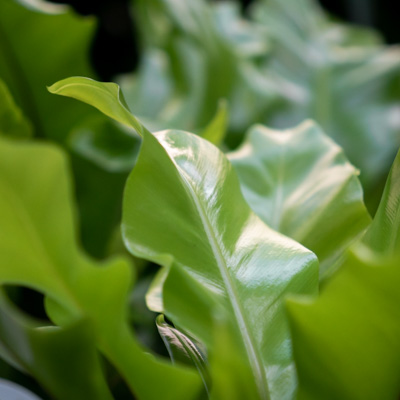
(116, 28)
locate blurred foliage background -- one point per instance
(117, 27)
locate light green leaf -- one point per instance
(207, 235)
(300, 183)
(12, 122)
(384, 234)
(39, 44)
(212, 234)
(215, 131)
(37, 237)
(100, 95)
(339, 76)
(346, 342)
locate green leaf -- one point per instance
(12, 122)
(340, 76)
(38, 239)
(215, 131)
(346, 342)
(208, 229)
(190, 64)
(384, 234)
(105, 144)
(300, 183)
(63, 360)
(39, 44)
(183, 349)
(207, 235)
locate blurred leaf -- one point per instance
(215, 131)
(198, 54)
(300, 183)
(384, 234)
(346, 342)
(12, 122)
(38, 239)
(63, 360)
(105, 144)
(39, 44)
(207, 235)
(339, 76)
(11, 391)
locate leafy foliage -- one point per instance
(232, 250)
(37, 240)
(357, 313)
(297, 181)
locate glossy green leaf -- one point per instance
(38, 239)
(231, 379)
(12, 122)
(206, 234)
(346, 342)
(214, 237)
(40, 43)
(183, 349)
(300, 183)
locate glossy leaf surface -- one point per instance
(300, 183)
(346, 342)
(208, 237)
(38, 239)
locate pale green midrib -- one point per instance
(255, 362)
(36, 239)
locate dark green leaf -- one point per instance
(12, 122)
(39, 44)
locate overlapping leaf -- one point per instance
(339, 76)
(41, 42)
(346, 342)
(300, 183)
(197, 53)
(210, 242)
(39, 250)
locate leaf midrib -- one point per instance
(255, 361)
